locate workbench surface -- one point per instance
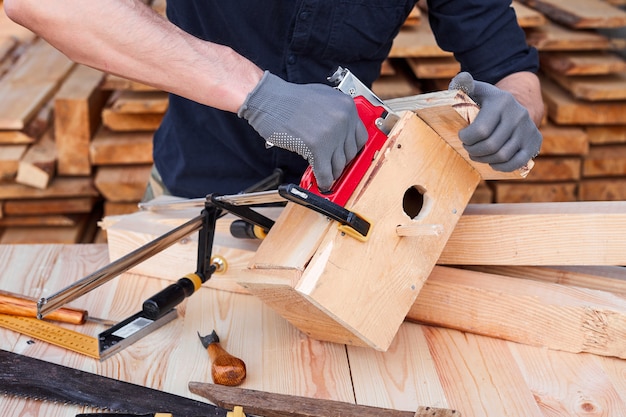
(425, 366)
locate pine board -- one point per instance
(25, 88)
(580, 14)
(426, 366)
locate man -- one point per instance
(246, 77)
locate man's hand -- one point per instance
(503, 134)
(316, 121)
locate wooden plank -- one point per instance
(580, 14)
(605, 161)
(38, 165)
(583, 62)
(10, 156)
(593, 87)
(528, 17)
(537, 192)
(463, 359)
(438, 67)
(411, 367)
(603, 135)
(572, 319)
(77, 108)
(542, 369)
(120, 148)
(25, 88)
(48, 206)
(602, 189)
(140, 102)
(415, 42)
(59, 187)
(49, 234)
(39, 220)
(556, 168)
(552, 37)
(122, 183)
(127, 122)
(563, 140)
(114, 82)
(580, 233)
(609, 279)
(564, 109)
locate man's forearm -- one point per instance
(127, 38)
(526, 88)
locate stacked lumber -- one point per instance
(37, 204)
(583, 84)
(72, 146)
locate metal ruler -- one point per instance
(53, 334)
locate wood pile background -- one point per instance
(76, 144)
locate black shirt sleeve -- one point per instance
(484, 36)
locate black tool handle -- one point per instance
(168, 298)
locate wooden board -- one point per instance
(122, 183)
(581, 233)
(564, 109)
(602, 189)
(583, 62)
(553, 37)
(593, 87)
(563, 140)
(120, 148)
(605, 161)
(38, 165)
(538, 192)
(425, 366)
(77, 108)
(587, 14)
(26, 88)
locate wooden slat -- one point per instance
(444, 67)
(140, 102)
(563, 140)
(552, 37)
(77, 115)
(587, 14)
(38, 165)
(122, 183)
(537, 192)
(583, 62)
(572, 319)
(119, 148)
(602, 190)
(605, 161)
(542, 369)
(581, 233)
(416, 41)
(128, 122)
(602, 135)
(593, 87)
(48, 206)
(59, 187)
(555, 168)
(26, 88)
(10, 156)
(564, 109)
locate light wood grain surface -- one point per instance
(427, 366)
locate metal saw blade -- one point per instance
(32, 378)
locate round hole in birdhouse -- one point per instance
(413, 201)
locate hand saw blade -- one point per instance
(32, 378)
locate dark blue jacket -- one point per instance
(200, 150)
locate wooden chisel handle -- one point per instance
(226, 369)
(19, 306)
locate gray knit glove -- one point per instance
(316, 121)
(502, 134)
